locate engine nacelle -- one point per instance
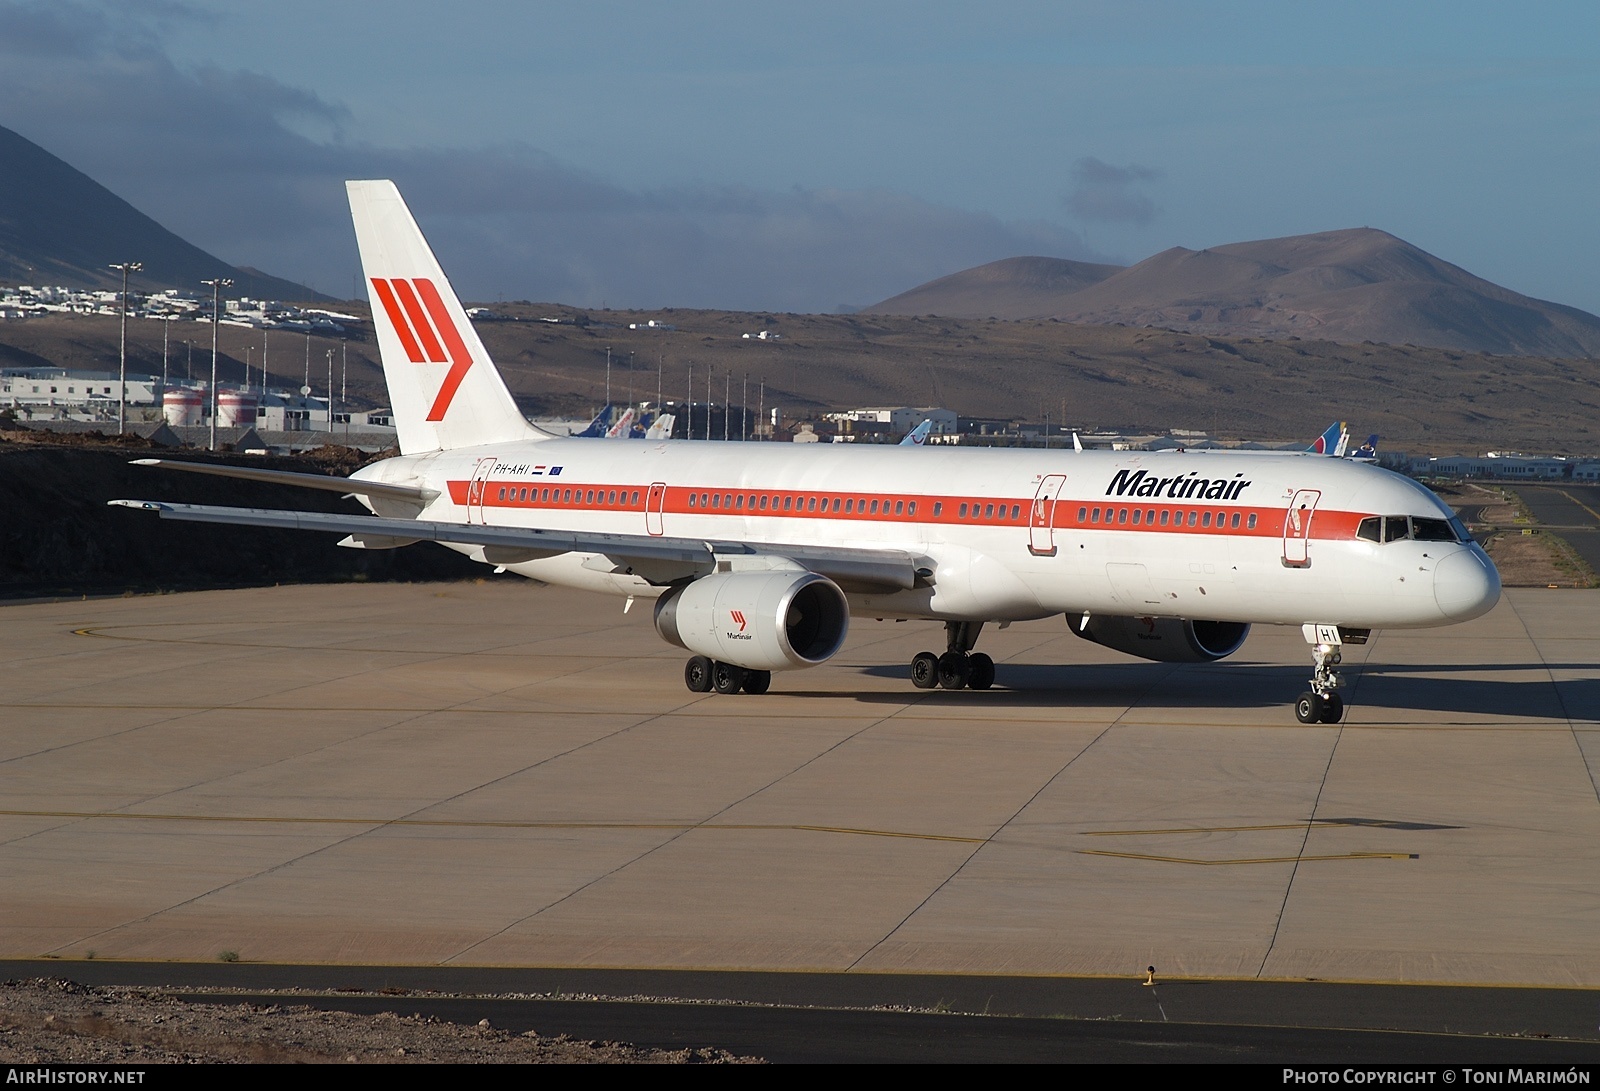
(1163, 639)
(772, 621)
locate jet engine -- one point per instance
(770, 621)
(1164, 639)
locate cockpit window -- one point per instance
(1432, 530)
(1395, 528)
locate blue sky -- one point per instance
(805, 157)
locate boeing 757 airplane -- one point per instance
(756, 558)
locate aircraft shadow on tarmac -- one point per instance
(1201, 687)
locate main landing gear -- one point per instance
(703, 675)
(1321, 704)
(959, 667)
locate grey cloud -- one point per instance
(222, 158)
(1108, 194)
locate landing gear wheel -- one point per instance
(1332, 708)
(697, 674)
(954, 670)
(1309, 708)
(727, 678)
(981, 671)
(757, 682)
(925, 670)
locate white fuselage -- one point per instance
(1005, 534)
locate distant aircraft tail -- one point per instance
(661, 427)
(444, 389)
(623, 429)
(1368, 451)
(1328, 442)
(918, 435)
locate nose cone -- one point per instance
(1465, 585)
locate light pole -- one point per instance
(124, 268)
(330, 392)
(216, 287)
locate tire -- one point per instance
(981, 674)
(757, 682)
(1309, 708)
(954, 670)
(925, 671)
(697, 674)
(726, 678)
(1332, 708)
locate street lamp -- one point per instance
(216, 287)
(124, 268)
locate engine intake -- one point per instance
(1163, 639)
(759, 620)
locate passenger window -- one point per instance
(938, 507)
(963, 511)
(848, 504)
(1205, 519)
(1370, 529)
(1122, 515)
(738, 504)
(988, 511)
(899, 507)
(813, 506)
(874, 507)
(1233, 523)
(1164, 516)
(502, 492)
(1015, 511)
(911, 508)
(1083, 515)
(716, 500)
(1192, 516)
(727, 499)
(566, 496)
(786, 503)
(1094, 516)
(611, 497)
(636, 499)
(1137, 515)
(835, 504)
(1250, 523)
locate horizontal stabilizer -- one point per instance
(346, 486)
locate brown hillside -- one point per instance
(1010, 288)
(1418, 399)
(1348, 286)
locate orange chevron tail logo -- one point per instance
(738, 618)
(422, 322)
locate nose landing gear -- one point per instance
(1321, 704)
(959, 667)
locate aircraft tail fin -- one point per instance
(918, 435)
(444, 388)
(1328, 442)
(661, 427)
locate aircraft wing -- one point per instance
(657, 560)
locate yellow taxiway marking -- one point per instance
(1580, 504)
(1254, 860)
(302, 820)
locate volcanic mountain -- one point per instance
(58, 226)
(1355, 285)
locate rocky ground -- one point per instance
(45, 1021)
